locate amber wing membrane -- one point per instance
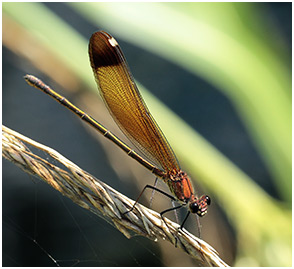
(125, 103)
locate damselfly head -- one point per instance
(199, 206)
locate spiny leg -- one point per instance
(165, 211)
(153, 188)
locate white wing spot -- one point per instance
(112, 42)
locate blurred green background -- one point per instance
(223, 69)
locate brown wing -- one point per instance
(125, 103)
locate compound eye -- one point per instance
(208, 200)
(194, 207)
